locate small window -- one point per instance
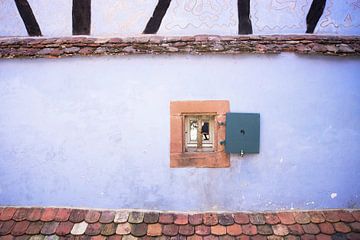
(199, 133)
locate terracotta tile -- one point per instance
(77, 215)
(225, 219)
(92, 216)
(341, 227)
(121, 216)
(186, 230)
(21, 214)
(331, 216)
(79, 228)
(323, 237)
(37, 237)
(170, 230)
(151, 217)
(108, 229)
(311, 228)
(292, 237)
(211, 237)
(7, 214)
(20, 228)
(93, 229)
(62, 215)
(241, 218)
(64, 228)
(136, 217)
(286, 217)
(326, 228)
(139, 230)
(257, 218)
(202, 230)
(258, 237)
(271, 218)
(317, 217)
(22, 237)
(34, 228)
(181, 219)
(308, 237)
(226, 237)
(353, 236)
(195, 219)
(346, 216)
(34, 214)
(296, 229)
(49, 228)
(6, 226)
(356, 215)
(48, 214)
(166, 218)
(154, 230)
(123, 228)
(7, 237)
(234, 230)
(114, 237)
(210, 219)
(264, 229)
(194, 237)
(280, 229)
(99, 237)
(302, 217)
(107, 217)
(249, 229)
(243, 237)
(355, 226)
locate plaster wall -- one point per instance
(184, 17)
(94, 132)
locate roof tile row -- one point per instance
(55, 223)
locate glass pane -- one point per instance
(205, 130)
(193, 130)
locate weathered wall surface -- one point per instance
(94, 132)
(184, 17)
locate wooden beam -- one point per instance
(27, 15)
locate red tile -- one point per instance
(7, 214)
(170, 230)
(210, 219)
(62, 215)
(323, 237)
(202, 230)
(77, 215)
(302, 217)
(34, 228)
(49, 228)
(257, 218)
(286, 217)
(241, 218)
(260, 237)
(346, 216)
(280, 230)
(48, 214)
(21, 214)
(34, 214)
(211, 237)
(355, 226)
(195, 219)
(93, 229)
(186, 230)
(20, 228)
(153, 229)
(311, 228)
(64, 228)
(332, 216)
(7, 237)
(296, 229)
(317, 217)
(181, 219)
(5, 227)
(92, 216)
(225, 219)
(356, 215)
(110, 229)
(218, 230)
(245, 237)
(271, 218)
(99, 237)
(194, 237)
(107, 217)
(326, 228)
(166, 218)
(234, 230)
(249, 229)
(353, 236)
(114, 237)
(308, 237)
(264, 229)
(341, 227)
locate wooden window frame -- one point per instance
(179, 157)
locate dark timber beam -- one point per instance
(244, 17)
(155, 21)
(315, 12)
(27, 15)
(81, 17)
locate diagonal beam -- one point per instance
(245, 26)
(154, 23)
(314, 14)
(81, 17)
(27, 15)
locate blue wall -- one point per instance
(94, 132)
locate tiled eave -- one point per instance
(64, 223)
(202, 44)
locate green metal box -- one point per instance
(242, 133)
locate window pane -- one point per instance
(205, 130)
(193, 130)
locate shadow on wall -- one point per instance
(81, 17)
